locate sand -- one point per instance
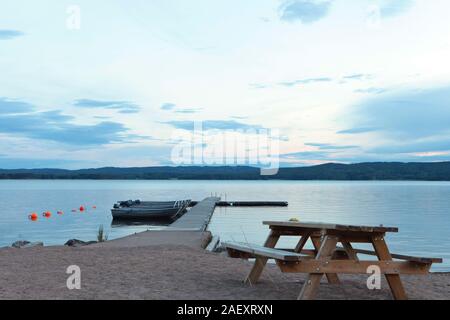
(156, 266)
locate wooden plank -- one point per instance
(301, 243)
(306, 253)
(312, 283)
(332, 278)
(400, 256)
(394, 280)
(252, 204)
(261, 262)
(351, 253)
(264, 252)
(248, 203)
(353, 267)
(290, 232)
(198, 217)
(349, 236)
(327, 226)
(356, 238)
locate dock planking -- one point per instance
(198, 217)
(248, 203)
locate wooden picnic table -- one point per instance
(327, 258)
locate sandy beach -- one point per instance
(153, 265)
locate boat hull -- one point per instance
(151, 211)
(138, 213)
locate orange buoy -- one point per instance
(47, 214)
(33, 216)
(82, 209)
(60, 213)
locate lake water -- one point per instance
(420, 209)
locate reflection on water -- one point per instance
(419, 209)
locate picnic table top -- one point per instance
(329, 226)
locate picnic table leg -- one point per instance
(260, 262)
(312, 283)
(301, 243)
(351, 253)
(331, 277)
(394, 280)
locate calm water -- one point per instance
(420, 209)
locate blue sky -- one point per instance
(342, 80)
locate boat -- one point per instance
(149, 210)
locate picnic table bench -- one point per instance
(327, 258)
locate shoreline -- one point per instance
(171, 265)
(222, 180)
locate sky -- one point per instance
(115, 83)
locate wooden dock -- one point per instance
(198, 217)
(248, 203)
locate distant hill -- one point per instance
(439, 171)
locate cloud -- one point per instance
(214, 125)
(410, 121)
(442, 144)
(371, 90)
(176, 109)
(306, 155)
(303, 10)
(326, 146)
(392, 8)
(188, 110)
(336, 157)
(58, 127)
(291, 83)
(54, 127)
(326, 152)
(407, 125)
(102, 117)
(305, 81)
(411, 113)
(168, 106)
(8, 106)
(391, 158)
(258, 86)
(124, 107)
(357, 76)
(357, 130)
(10, 34)
(239, 117)
(36, 163)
